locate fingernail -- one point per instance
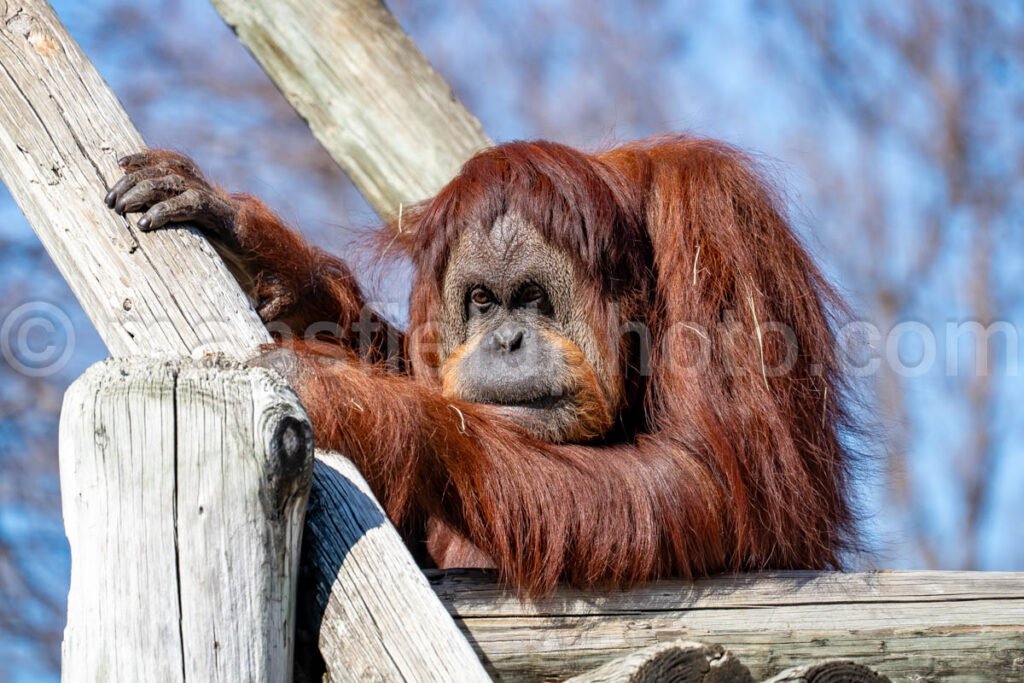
(144, 222)
(109, 199)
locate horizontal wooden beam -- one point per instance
(909, 625)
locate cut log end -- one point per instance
(676, 661)
(835, 671)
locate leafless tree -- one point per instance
(924, 210)
(32, 566)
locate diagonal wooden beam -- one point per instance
(369, 95)
(61, 133)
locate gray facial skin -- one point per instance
(508, 297)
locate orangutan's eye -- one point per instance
(481, 298)
(531, 294)
(534, 296)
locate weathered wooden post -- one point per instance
(184, 485)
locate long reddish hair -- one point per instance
(737, 457)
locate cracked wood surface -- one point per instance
(61, 133)
(910, 626)
(184, 487)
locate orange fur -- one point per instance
(721, 465)
(450, 368)
(593, 411)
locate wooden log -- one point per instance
(369, 95)
(829, 672)
(61, 132)
(353, 560)
(183, 486)
(905, 625)
(681, 661)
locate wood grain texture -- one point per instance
(829, 672)
(61, 133)
(184, 486)
(909, 626)
(366, 604)
(368, 94)
(681, 661)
